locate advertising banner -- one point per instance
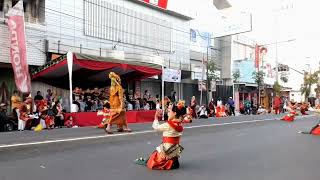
(18, 53)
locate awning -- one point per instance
(89, 70)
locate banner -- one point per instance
(171, 75)
(257, 56)
(18, 54)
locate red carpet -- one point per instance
(91, 119)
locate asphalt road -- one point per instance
(237, 148)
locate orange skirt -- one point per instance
(158, 162)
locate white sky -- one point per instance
(272, 19)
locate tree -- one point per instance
(259, 79)
(308, 80)
(277, 88)
(236, 76)
(212, 68)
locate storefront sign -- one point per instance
(202, 85)
(171, 75)
(18, 53)
(159, 3)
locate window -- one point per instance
(1, 5)
(193, 35)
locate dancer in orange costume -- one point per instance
(117, 108)
(166, 156)
(292, 112)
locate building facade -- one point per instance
(124, 29)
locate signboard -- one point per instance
(213, 86)
(202, 85)
(200, 40)
(233, 23)
(197, 74)
(171, 75)
(246, 69)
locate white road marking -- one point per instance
(132, 133)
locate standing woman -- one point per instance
(193, 106)
(166, 156)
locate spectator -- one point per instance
(276, 104)
(49, 97)
(77, 97)
(231, 106)
(173, 97)
(38, 97)
(203, 113)
(58, 114)
(15, 103)
(247, 106)
(146, 106)
(193, 105)
(3, 117)
(146, 95)
(212, 108)
(261, 110)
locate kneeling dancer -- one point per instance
(166, 156)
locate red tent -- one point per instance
(88, 69)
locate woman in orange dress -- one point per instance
(166, 156)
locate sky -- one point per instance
(273, 20)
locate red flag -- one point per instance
(18, 54)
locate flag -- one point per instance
(18, 53)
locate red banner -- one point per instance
(160, 3)
(257, 56)
(18, 54)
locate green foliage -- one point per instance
(236, 76)
(258, 77)
(277, 88)
(308, 81)
(212, 68)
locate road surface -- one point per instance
(234, 148)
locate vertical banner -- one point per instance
(257, 56)
(18, 53)
(70, 69)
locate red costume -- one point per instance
(43, 109)
(276, 104)
(220, 111)
(292, 113)
(188, 117)
(166, 155)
